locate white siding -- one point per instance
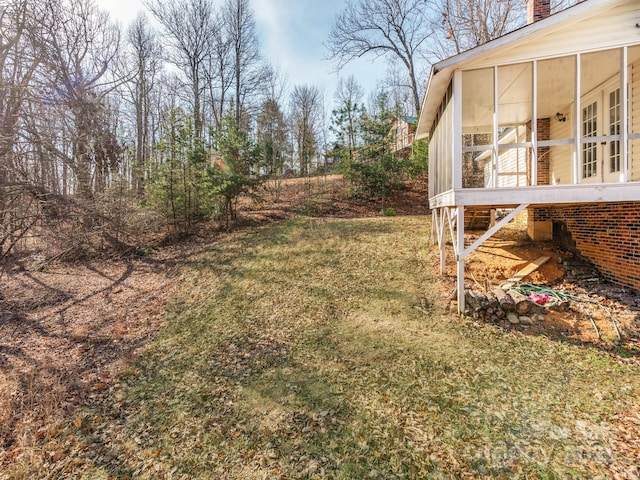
(512, 165)
(561, 156)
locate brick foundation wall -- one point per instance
(539, 226)
(608, 235)
(541, 214)
(543, 167)
(544, 161)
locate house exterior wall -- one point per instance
(512, 161)
(404, 134)
(544, 162)
(607, 234)
(560, 157)
(512, 169)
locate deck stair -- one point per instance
(478, 218)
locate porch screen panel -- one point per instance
(477, 124)
(515, 93)
(515, 111)
(512, 171)
(556, 79)
(600, 115)
(560, 171)
(477, 102)
(441, 151)
(634, 112)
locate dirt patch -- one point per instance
(328, 196)
(601, 313)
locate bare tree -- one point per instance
(346, 115)
(219, 73)
(306, 110)
(465, 24)
(188, 26)
(468, 23)
(397, 28)
(146, 61)
(248, 72)
(57, 130)
(272, 140)
(79, 45)
(17, 67)
(398, 85)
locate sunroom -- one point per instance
(546, 115)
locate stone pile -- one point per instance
(578, 271)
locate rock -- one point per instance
(525, 320)
(561, 306)
(513, 318)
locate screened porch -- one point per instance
(575, 115)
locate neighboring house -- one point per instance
(544, 119)
(402, 134)
(333, 157)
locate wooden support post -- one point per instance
(437, 235)
(534, 126)
(434, 237)
(624, 127)
(453, 221)
(496, 140)
(441, 242)
(459, 241)
(577, 125)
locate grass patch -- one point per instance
(297, 352)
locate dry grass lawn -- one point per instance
(318, 348)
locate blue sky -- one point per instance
(292, 33)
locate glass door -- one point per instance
(590, 153)
(612, 167)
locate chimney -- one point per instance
(537, 10)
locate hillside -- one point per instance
(315, 347)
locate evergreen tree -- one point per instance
(375, 171)
(182, 187)
(236, 168)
